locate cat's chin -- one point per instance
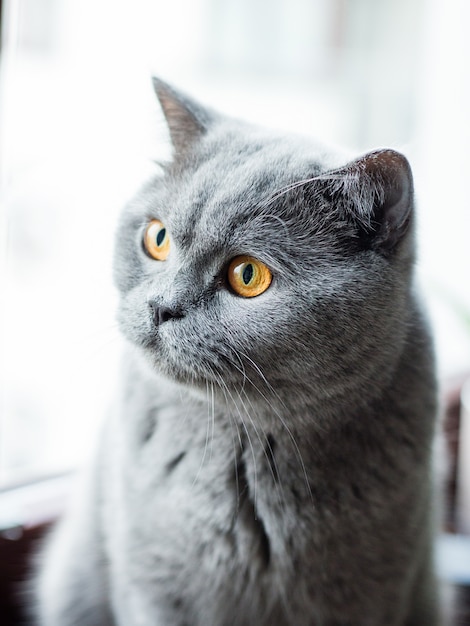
(176, 373)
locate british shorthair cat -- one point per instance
(268, 457)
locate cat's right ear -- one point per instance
(187, 120)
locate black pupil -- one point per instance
(161, 236)
(247, 274)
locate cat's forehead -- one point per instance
(236, 194)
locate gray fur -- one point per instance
(267, 461)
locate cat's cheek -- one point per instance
(237, 310)
(171, 354)
(136, 325)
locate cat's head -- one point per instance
(253, 261)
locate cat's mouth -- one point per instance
(194, 375)
(177, 358)
(191, 359)
(193, 351)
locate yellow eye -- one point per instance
(248, 277)
(157, 241)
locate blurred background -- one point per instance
(80, 127)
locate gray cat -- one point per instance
(268, 458)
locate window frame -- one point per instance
(27, 513)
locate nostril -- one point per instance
(165, 314)
(162, 314)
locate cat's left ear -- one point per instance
(187, 120)
(377, 191)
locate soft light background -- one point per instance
(80, 126)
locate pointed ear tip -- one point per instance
(390, 163)
(160, 86)
(393, 158)
(164, 91)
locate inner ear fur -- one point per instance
(187, 120)
(376, 191)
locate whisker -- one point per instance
(284, 190)
(264, 439)
(206, 442)
(276, 475)
(255, 474)
(284, 424)
(264, 379)
(213, 418)
(233, 424)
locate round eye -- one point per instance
(248, 277)
(156, 241)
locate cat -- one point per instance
(268, 457)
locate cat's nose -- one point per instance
(162, 314)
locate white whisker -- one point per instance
(207, 440)
(255, 475)
(233, 424)
(284, 190)
(282, 421)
